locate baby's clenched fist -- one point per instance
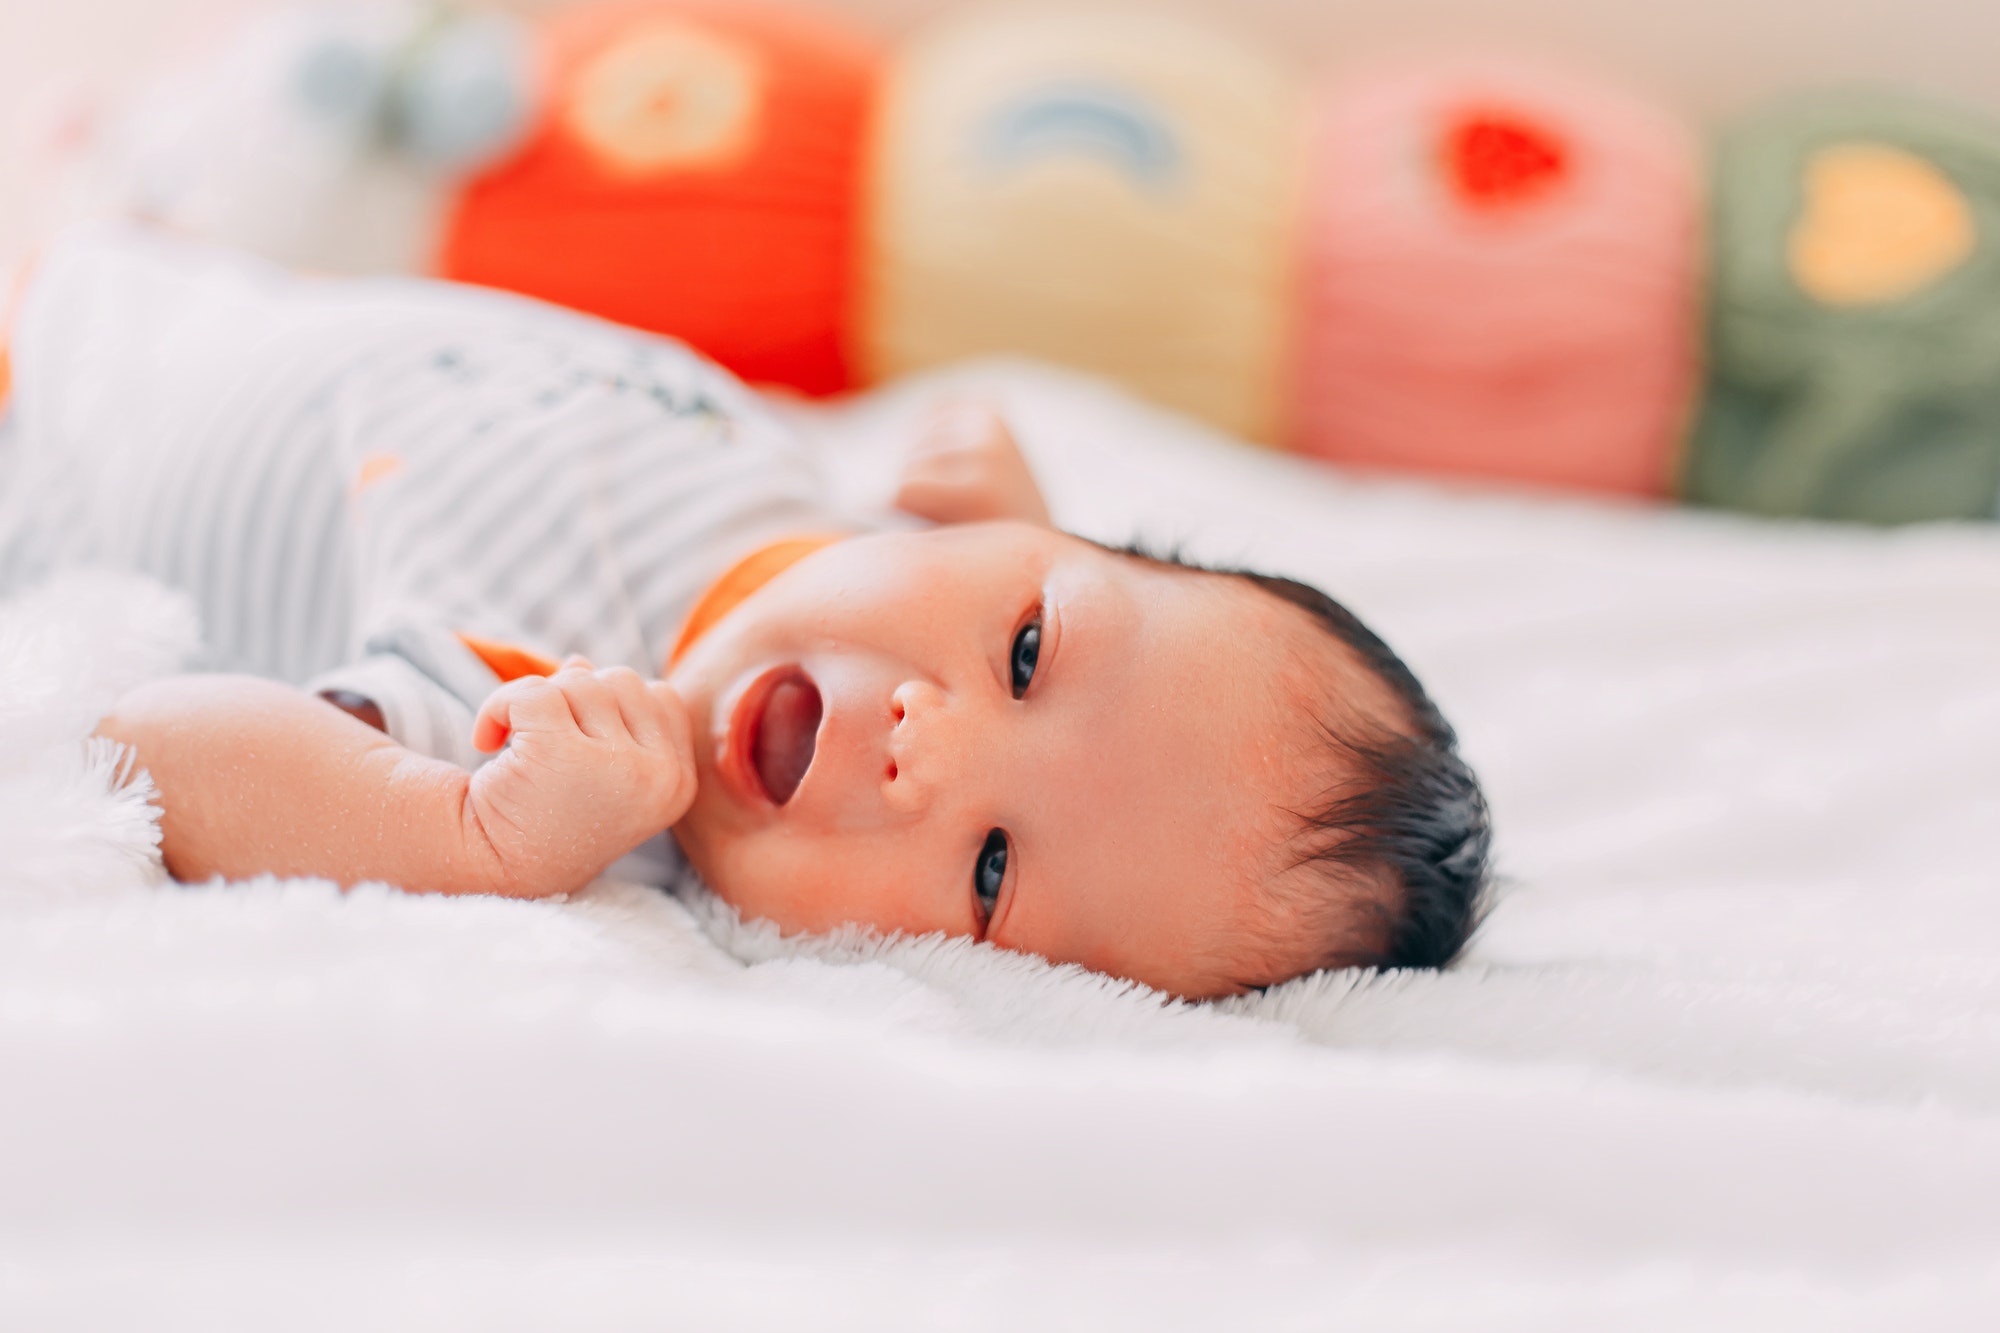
(595, 763)
(966, 468)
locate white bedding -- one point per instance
(1726, 1055)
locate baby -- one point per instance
(464, 525)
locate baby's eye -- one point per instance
(1026, 652)
(989, 872)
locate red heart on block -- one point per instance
(1497, 160)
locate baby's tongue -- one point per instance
(786, 736)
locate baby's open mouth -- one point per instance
(787, 734)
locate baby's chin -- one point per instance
(694, 838)
(707, 849)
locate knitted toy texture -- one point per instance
(1108, 190)
(1854, 313)
(696, 172)
(1499, 277)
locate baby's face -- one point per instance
(1003, 732)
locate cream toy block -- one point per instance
(1113, 191)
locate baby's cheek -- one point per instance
(824, 882)
(760, 874)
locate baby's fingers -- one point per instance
(956, 469)
(531, 703)
(677, 726)
(492, 727)
(637, 707)
(677, 737)
(592, 701)
(960, 426)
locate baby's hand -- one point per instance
(966, 467)
(598, 762)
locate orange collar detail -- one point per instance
(508, 661)
(10, 306)
(741, 579)
(511, 662)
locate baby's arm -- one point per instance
(965, 467)
(258, 777)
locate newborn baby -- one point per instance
(544, 587)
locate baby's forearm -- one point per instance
(258, 777)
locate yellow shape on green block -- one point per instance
(1878, 225)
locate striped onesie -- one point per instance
(353, 479)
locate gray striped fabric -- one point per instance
(345, 474)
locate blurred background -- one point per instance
(1725, 254)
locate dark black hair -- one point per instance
(1414, 815)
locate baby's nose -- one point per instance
(923, 753)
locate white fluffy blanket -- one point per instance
(1727, 1054)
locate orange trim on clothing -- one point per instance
(508, 661)
(511, 662)
(741, 579)
(17, 288)
(374, 468)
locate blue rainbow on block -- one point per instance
(1083, 119)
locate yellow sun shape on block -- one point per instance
(1877, 225)
(667, 96)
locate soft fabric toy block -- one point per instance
(696, 172)
(1110, 191)
(1855, 313)
(1499, 278)
(328, 136)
